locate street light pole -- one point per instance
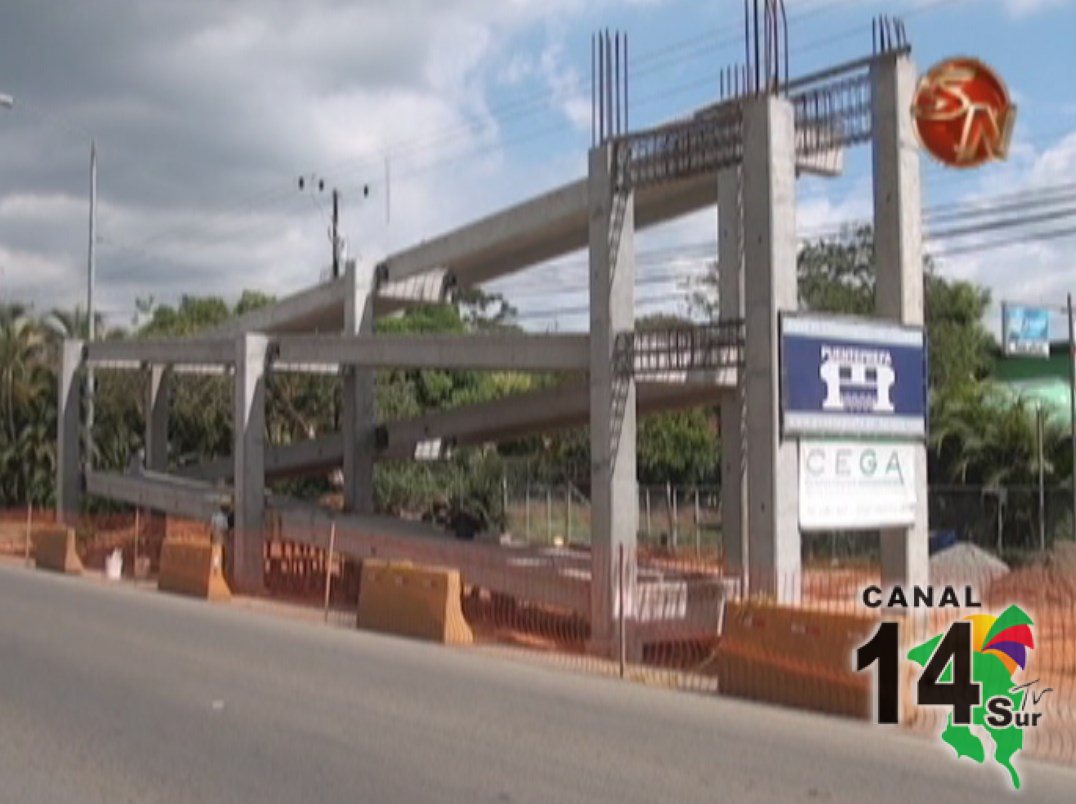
(1072, 405)
(91, 266)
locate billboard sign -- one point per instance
(843, 376)
(1025, 331)
(856, 485)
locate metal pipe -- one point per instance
(608, 84)
(616, 83)
(601, 90)
(758, 75)
(784, 22)
(766, 39)
(593, 95)
(746, 37)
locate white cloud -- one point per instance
(1023, 8)
(206, 113)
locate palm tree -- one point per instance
(26, 397)
(985, 436)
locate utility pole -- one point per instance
(1040, 433)
(336, 233)
(91, 267)
(1072, 407)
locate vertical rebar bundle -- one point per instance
(608, 85)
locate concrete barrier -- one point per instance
(54, 549)
(414, 601)
(795, 657)
(193, 568)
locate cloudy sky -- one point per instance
(205, 112)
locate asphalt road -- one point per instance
(115, 694)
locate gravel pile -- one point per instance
(964, 564)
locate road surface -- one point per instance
(116, 694)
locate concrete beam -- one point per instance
(246, 558)
(160, 492)
(521, 415)
(513, 417)
(287, 460)
(501, 352)
(543, 228)
(68, 434)
(316, 309)
(525, 574)
(898, 249)
(171, 351)
(322, 308)
(554, 224)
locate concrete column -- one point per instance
(68, 435)
(359, 415)
(158, 403)
(614, 484)
(769, 208)
(245, 561)
(733, 414)
(158, 406)
(898, 255)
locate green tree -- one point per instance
(27, 452)
(679, 448)
(837, 275)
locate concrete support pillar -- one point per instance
(614, 484)
(898, 252)
(769, 209)
(359, 415)
(245, 561)
(733, 414)
(158, 404)
(68, 434)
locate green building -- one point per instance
(1039, 381)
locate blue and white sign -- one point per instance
(1025, 331)
(843, 376)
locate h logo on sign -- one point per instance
(857, 385)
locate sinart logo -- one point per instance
(962, 113)
(857, 380)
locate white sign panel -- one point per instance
(856, 485)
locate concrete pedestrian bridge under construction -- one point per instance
(742, 156)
